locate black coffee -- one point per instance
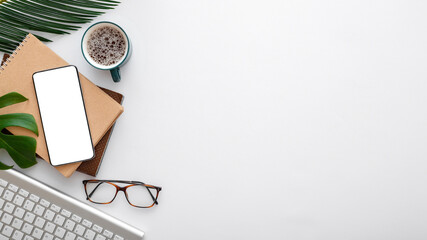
(106, 45)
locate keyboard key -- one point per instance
(47, 236)
(89, 235)
(29, 205)
(37, 233)
(12, 187)
(80, 238)
(7, 231)
(44, 203)
(9, 207)
(27, 228)
(29, 217)
(3, 237)
(17, 235)
(100, 237)
(23, 192)
(1, 190)
(8, 195)
(69, 225)
(59, 220)
(79, 230)
(19, 212)
(50, 227)
(3, 183)
(18, 200)
(59, 232)
(6, 218)
(117, 237)
(87, 223)
(97, 228)
(17, 223)
(1, 203)
(39, 210)
(28, 238)
(66, 213)
(108, 234)
(49, 215)
(76, 218)
(55, 208)
(34, 198)
(70, 236)
(39, 222)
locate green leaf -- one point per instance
(4, 166)
(19, 120)
(34, 21)
(18, 17)
(22, 149)
(11, 98)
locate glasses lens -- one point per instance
(141, 196)
(100, 192)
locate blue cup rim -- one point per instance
(123, 59)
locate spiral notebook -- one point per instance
(16, 75)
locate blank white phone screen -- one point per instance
(63, 115)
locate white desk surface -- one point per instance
(268, 119)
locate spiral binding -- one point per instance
(15, 52)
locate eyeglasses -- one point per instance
(138, 194)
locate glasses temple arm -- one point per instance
(91, 193)
(152, 197)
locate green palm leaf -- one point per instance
(18, 17)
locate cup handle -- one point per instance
(115, 74)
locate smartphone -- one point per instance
(63, 115)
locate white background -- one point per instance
(268, 119)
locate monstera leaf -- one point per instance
(22, 149)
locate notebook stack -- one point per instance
(103, 106)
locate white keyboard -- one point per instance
(30, 210)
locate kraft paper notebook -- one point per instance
(92, 166)
(16, 75)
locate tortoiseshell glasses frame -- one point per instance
(118, 188)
